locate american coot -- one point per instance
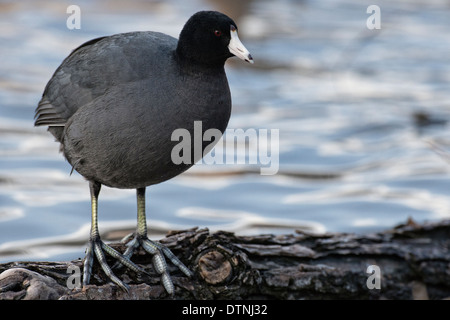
(113, 104)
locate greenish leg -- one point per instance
(141, 218)
(157, 250)
(97, 247)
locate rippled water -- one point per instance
(362, 118)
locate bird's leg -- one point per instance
(157, 250)
(97, 247)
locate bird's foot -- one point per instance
(97, 248)
(158, 251)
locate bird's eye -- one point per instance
(218, 33)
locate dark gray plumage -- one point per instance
(119, 109)
(115, 101)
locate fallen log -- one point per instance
(408, 262)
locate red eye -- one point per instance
(218, 33)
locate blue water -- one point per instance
(345, 99)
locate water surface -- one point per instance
(362, 118)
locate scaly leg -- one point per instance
(157, 250)
(97, 247)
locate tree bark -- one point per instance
(408, 262)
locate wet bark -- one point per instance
(409, 262)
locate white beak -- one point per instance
(237, 48)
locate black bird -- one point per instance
(114, 103)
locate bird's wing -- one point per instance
(54, 109)
(95, 67)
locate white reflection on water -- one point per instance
(247, 222)
(9, 213)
